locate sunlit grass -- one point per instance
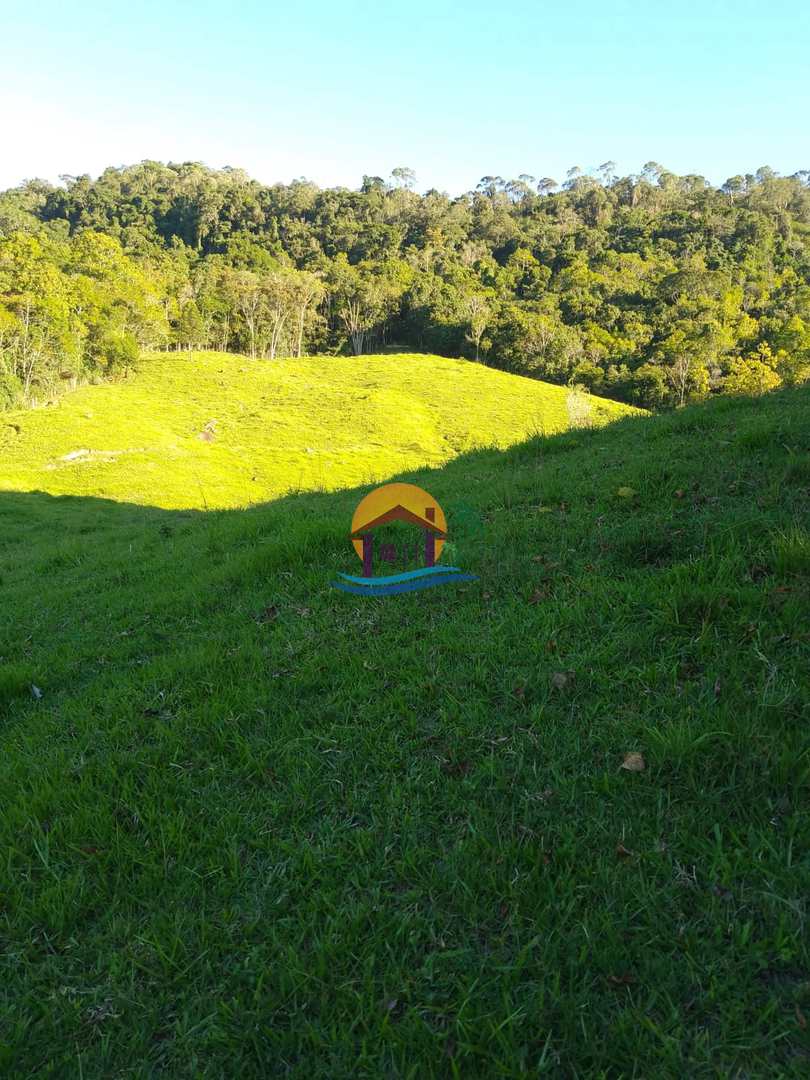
(206, 430)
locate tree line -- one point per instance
(654, 288)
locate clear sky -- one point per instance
(455, 89)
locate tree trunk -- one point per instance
(300, 342)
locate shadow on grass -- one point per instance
(230, 759)
(79, 570)
(24, 514)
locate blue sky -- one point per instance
(333, 89)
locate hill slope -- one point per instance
(253, 826)
(217, 430)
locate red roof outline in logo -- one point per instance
(399, 513)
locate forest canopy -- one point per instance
(654, 288)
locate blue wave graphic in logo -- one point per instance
(406, 575)
(409, 581)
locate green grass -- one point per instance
(256, 827)
(320, 423)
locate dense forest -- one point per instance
(654, 288)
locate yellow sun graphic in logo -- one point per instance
(399, 502)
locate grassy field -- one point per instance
(213, 430)
(252, 826)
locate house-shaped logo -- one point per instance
(399, 502)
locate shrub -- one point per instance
(750, 377)
(11, 391)
(793, 368)
(648, 386)
(578, 404)
(589, 375)
(115, 353)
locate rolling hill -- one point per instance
(550, 822)
(217, 430)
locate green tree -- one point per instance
(751, 377)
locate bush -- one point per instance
(589, 375)
(115, 353)
(578, 404)
(648, 386)
(11, 391)
(793, 368)
(750, 377)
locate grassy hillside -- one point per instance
(252, 826)
(217, 430)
